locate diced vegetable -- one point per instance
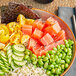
(53, 30)
(37, 34)
(46, 39)
(27, 29)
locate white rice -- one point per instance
(28, 70)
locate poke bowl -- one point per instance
(36, 47)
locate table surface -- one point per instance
(52, 7)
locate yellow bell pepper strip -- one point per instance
(21, 19)
(4, 33)
(13, 26)
(25, 39)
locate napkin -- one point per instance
(66, 13)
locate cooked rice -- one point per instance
(28, 70)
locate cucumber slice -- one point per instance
(17, 58)
(9, 51)
(1, 61)
(1, 72)
(4, 69)
(2, 54)
(9, 55)
(18, 47)
(8, 47)
(9, 60)
(20, 63)
(12, 65)
(4, 59)
(19, 54)
(7, 65)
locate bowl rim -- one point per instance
(71, 33)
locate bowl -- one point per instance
(44, 15)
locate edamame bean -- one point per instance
(52, 70)
(58, 47)
(26, 57)
(46, 65)
(66, 65)
(48, 72)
